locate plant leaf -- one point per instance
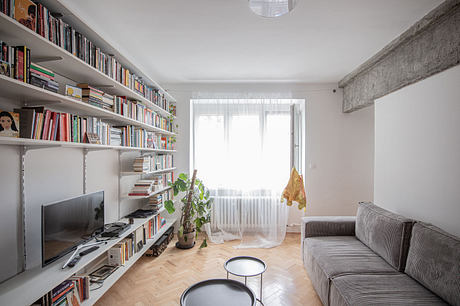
(169, 205)
(183, 176)
(203, 244)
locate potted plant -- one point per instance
(196, 209)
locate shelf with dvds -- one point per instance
(68, 65)
(40, 280)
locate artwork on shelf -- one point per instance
(73, 91)
(102, 273)
(93, 138)
(25, 11)
(9, 124)
(4, 68)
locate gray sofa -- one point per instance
(380, 258)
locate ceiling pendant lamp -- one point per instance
(272, 8)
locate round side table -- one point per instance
(246, 266)
(222, 292)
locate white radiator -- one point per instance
(233, 214)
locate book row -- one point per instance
(153, 163)
(15, 62)
(48, 24)
(138, 111)
(125, 249)
(71, 292)
(44, 124)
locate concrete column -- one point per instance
(428, 47)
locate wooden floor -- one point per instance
(161, 281)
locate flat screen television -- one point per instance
(68, 223)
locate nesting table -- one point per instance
(246, 266)
(222, 292)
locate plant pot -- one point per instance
(186, 241)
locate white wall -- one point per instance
(417, 151)
(339, 146)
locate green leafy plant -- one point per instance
(196, 208)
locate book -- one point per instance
(9, 124)
(26, 122)
(73, 91)
(25, 12)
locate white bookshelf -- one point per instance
(27, 94)
(127, 173)
(64, 144)
(28, 286)
(38, 281)
(67, 64)
(150, 194)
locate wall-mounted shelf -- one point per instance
(27, 94)
(150, 194)
(64, 144)
(126, 173)
(37, 282)
(67, 64)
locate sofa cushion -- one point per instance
(386, 233)
(389, 289)
(326, 257)
(434, 261)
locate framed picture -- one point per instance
(9, 124)
(93, 138)
(25, 11)
(102, 273)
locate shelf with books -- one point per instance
(150, 194)
(64, 144)
(126, 173)
(22, 93)
(66, 64)
(112, 278)
(38, 281)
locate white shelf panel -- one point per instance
(126, 173)
(109, 281)
(27, 94)
(64, 144)
(38, 281)
(69, 65)
(151, 194)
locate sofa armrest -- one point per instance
(328, 226)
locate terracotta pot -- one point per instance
(186, 241)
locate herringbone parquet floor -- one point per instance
(161, 281)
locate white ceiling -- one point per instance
(223, 41)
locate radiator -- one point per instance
(233, 214)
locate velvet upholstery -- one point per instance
(386, 233)
(389, 289)
(434, 261)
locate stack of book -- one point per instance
(43, 78)
(156, 202)
(107, 100)
(142, 188)
(81, 283)
(93, 96)
(142, 164)
(162, 161)
(121, 252)
(115, 136)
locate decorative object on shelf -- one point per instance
(25, 11)
(93, 138)
(9, 124)
(102, 273)
(196, 210)
(73, 91)
(272, 8)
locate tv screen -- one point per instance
(68, 223)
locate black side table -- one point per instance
(246, 266)
(222, 292)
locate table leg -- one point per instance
(245, 281)
(261, 287)
(227, 274)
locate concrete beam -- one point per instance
(428, 47)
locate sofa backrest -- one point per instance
(386, 233)
(434, 261)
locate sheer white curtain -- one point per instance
(241, 148)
